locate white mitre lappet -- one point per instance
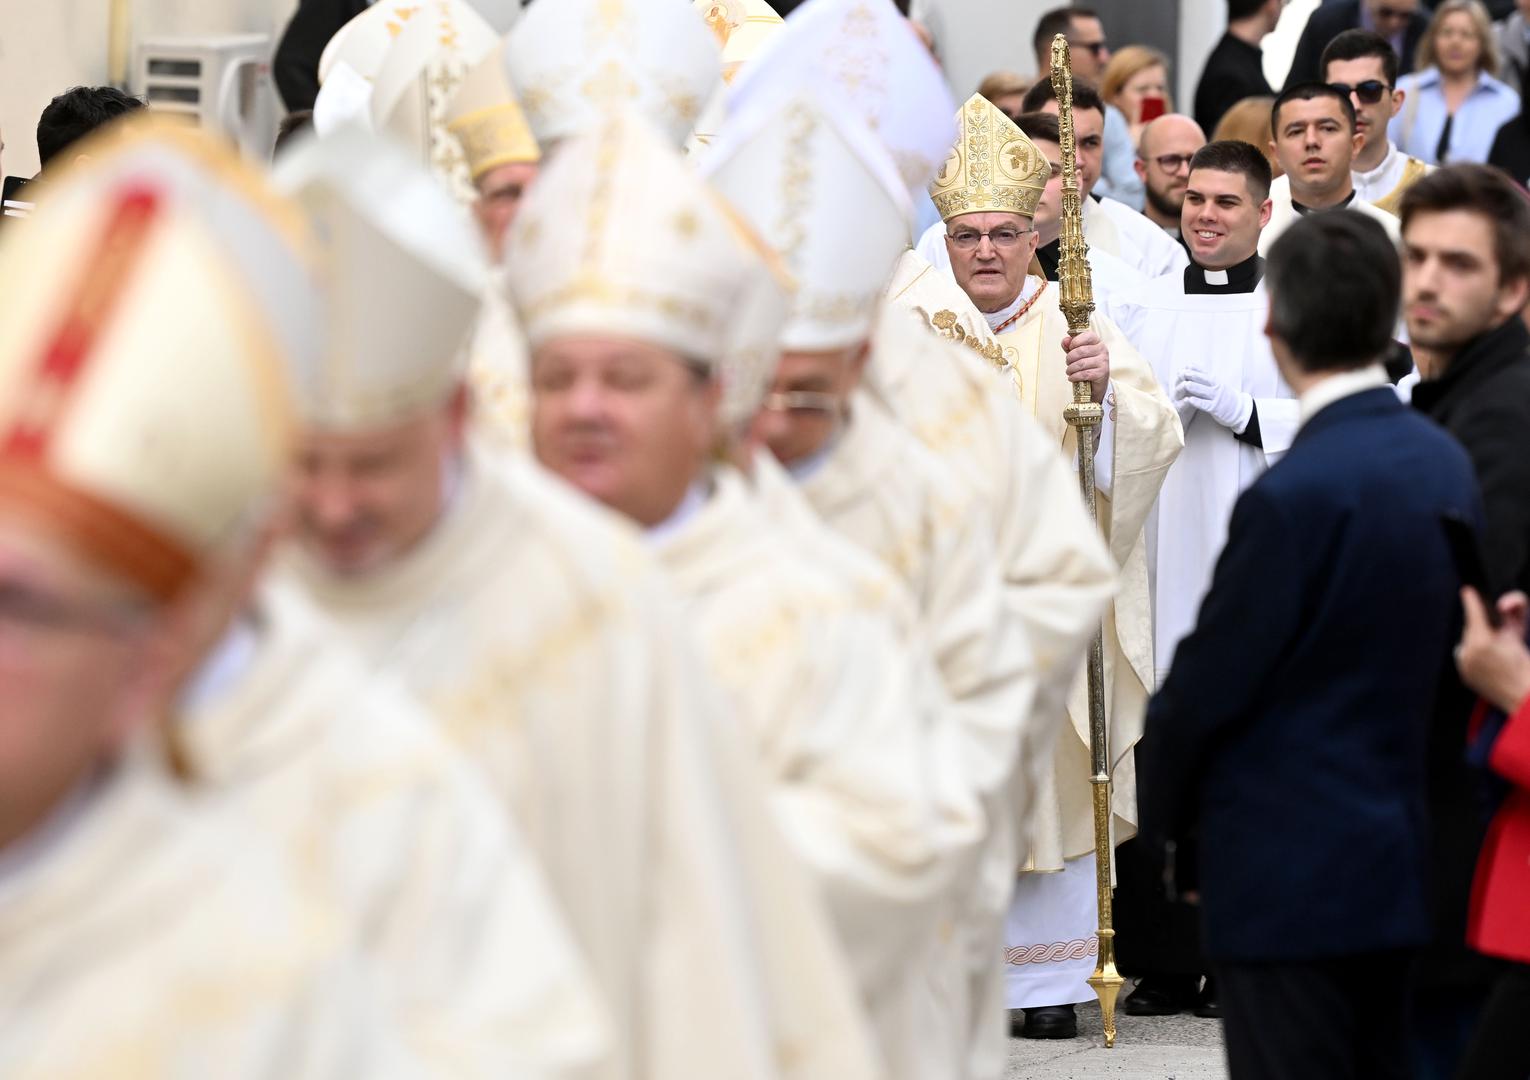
(800, 173)
(419, 77)
(870, 62)
(363, 42)
(154, 306)
(743, 29)
(395, 242)
(621, 238)
(573, 61)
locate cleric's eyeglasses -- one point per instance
(801, 401)
(1368, 92)
(969, 239)
(1172, 163)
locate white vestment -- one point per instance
(1146, 439)
(540, 632)
(1222, 335)
(1283, 214)
(880, 487)
(499, 371)
(344, 770)
(1117, 229)
(846, 719)
(141, 936)
(1057, 575)
(1384, 185)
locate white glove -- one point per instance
(1229, 407)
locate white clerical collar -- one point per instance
(223, 667)
(1320, 395)
(1215, 277)
(998, 318)
(695, 498)
(1375, 175)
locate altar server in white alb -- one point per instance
(653, 313)
(145, 426)
(280, 720)
(823, 193)
(541, 636)
(1203, 332)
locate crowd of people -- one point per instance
(577, 567)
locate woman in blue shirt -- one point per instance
(1454, 105)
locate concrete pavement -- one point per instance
(1147, 1048)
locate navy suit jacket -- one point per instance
(1292, 729)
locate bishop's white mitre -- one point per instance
(150, 311)
(405, 271)
(572, 62)
(869, 60)
(621, 238)
(823, 193)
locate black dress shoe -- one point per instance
(1206, 1004)
(1050, 1022)
(1161, 995)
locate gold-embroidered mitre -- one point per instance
(487, 120)
(621, 238)
(993, 168)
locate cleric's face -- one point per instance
(1221, 218)
(990, 253)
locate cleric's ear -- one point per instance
(1266, 208)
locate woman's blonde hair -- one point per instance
(1482, 23)
(1003, 84)
(1249, 121)
(1128, 62)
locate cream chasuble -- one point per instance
(1222, 335)
(537, 630)
(350, 775)
(499, 370)
(881, 488)
(1147, 438)
(144, 938)
(866, 781)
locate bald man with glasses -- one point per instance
(1163, 161)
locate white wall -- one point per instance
(52, 45)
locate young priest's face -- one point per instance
(989, 256)
(628, 423)
(72, 640)
(1315, 144)
(1221, 219)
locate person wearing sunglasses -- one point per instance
(1400, 22)
(1361, 64)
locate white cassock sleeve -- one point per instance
(1279, 418)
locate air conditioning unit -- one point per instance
(221, 82)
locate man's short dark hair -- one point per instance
(1360, 45)
(1310, 91)
(76, 113)
(1085, 96)
(1334, 321)
(1054, 22)
(1478, 189)
(1242, 9)
(1039, 125)
(1237, 156)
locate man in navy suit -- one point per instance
(1291, 733)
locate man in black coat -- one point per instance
(1399, 21)
(1235, 68)
(1292, 730)
(296, 64)
(1466, 282)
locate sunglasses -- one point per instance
(1392, 14)
(1093, 47)
(1369, 92)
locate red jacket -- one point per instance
(1500, 913)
